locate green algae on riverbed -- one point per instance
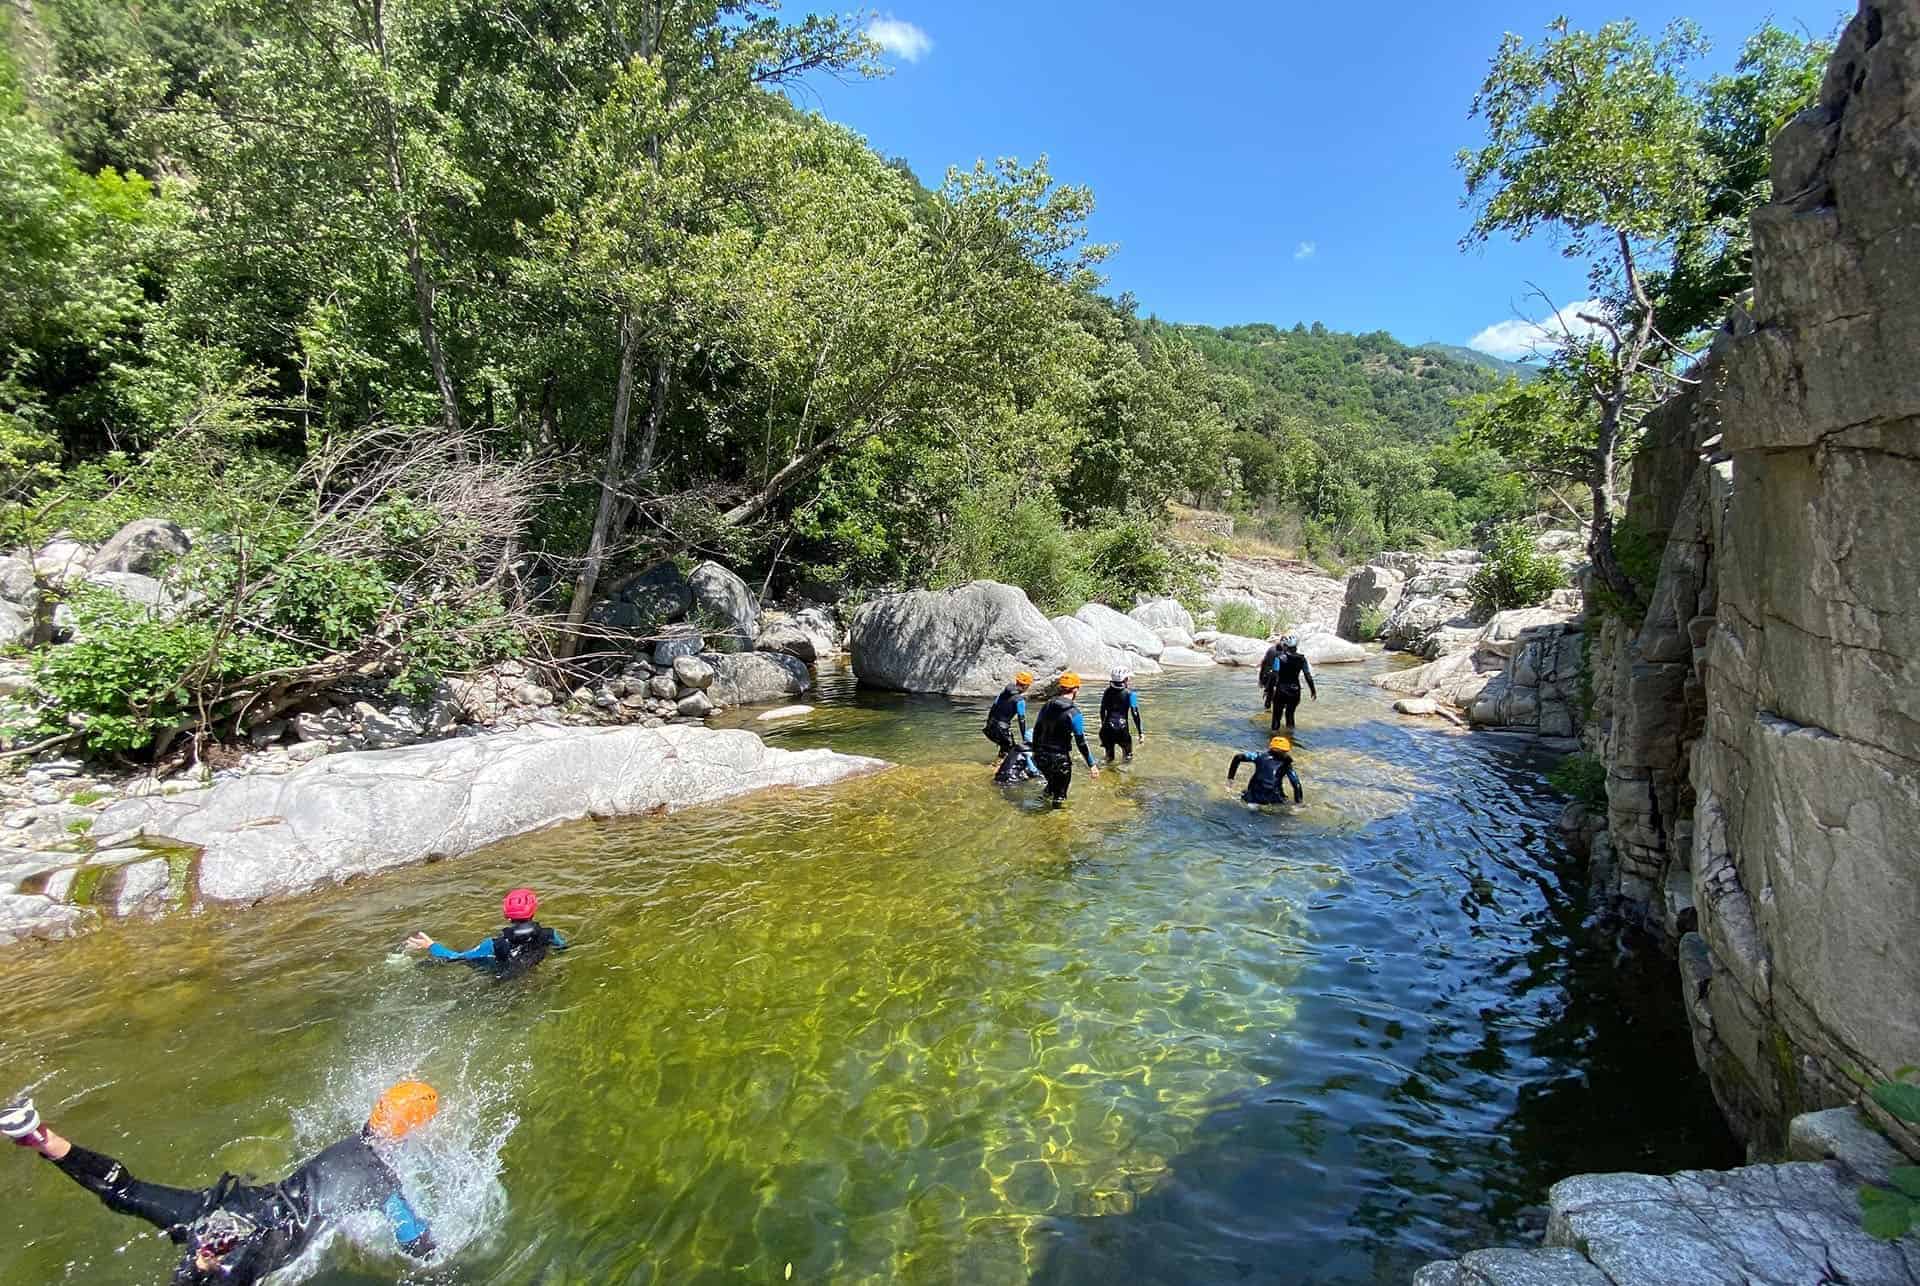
(917, 1028)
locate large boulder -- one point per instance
(144, 545)
(785, 635)
(752, 678)
(1159, 614)
(1330, 649)
(1185, 658)
(16, 625)
(350, 815)
(16, 582)
(727, 597)
(1122, 632)
(1372, 593)
(677, 641)
(660, 595)
(60, 561)
(1087, 653)
(1238, 649)
(966, 641)
(1296, 595)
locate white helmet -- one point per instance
(1120, 674)
(1291, 640)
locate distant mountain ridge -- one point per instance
(1329, 377)
(1500, 365)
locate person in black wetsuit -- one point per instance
(1117, 703)
(1009, 706)
(1016, 766)
(515, 950)
(234, 1233)
(1283, 678)
(1270, 771)
(1055, 732)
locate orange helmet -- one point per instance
(403, 1109)
(1025, 676)
(1069, 682)
(1281, 744)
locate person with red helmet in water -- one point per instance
(518, 947)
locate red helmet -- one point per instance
(520, 904)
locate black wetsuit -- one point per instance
(1287, 672)
(1010, 706)
(1014, 766)
(279, 1219)
(517, 948)
(1270, 769)
(1055, 733)
(1266, 673)
(1116, 704)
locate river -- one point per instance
(917, 1029)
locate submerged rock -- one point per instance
(349, 815)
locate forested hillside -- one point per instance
(1336, 378)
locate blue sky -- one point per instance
(1273, 161)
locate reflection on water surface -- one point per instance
(916, 1029)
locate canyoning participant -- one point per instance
(1117, 703)
(1016, 765)
(1289, 668)
(235, 1233)
(1270, 771)
(1055, 733)
(1009, 706)
(517, 948)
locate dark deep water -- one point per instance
(914, 1029)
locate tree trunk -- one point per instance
(423, 287)
(1600, 551)
(609, 493)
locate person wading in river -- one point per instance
(1117, 703)
(1281, 677)
(515, 950)
(235, 1234)
(1271, 771)
(1058, 729)
(1010, 705)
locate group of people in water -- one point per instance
(233, 1233)
(1059, 729)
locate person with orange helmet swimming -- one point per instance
(1272, 773)
(517, 948)
(235, 1233)
(1055, 731)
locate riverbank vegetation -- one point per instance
(435, 320)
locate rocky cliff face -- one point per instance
(1761, 726)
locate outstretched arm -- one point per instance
(1234, 767)
(1080, 737)
(1133, 704)
(438, 951)
(410, 1231)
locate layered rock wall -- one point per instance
(1761, 726)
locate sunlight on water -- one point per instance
(915, 1028)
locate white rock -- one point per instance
(1417, 705)
(1163, 614)
(1238, 649)
(692, 672)
(1330, 649)
(1122, 632)
(785, 712)
(695, 705)
(351, 815)
(1185, 659)
(967, 641)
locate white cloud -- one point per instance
(1517, 340)
(1306, 249)
(899, 37)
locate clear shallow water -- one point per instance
(917, 1029)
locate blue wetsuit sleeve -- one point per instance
(1080, 735)
(1133, 704)
(559, 943)
(408, 1227)
(1020, 712)
(482, 952)
(1293, 778)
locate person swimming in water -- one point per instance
(517, 948)
(1271, 772)
(236, 1234)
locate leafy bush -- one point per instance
(1243, 618)
(1372, 621)
(1515, 574)
(1888, 1213)
(1581, 777)
(1020, 542)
